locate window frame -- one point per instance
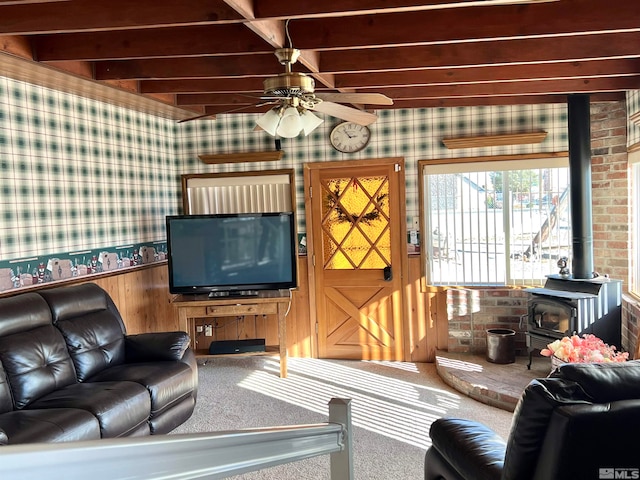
(562, 157)
(634, 263)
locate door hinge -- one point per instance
(397, 167)
(313, 260)
(310, 192)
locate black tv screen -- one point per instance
(231, 254)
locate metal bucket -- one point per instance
(501, 345)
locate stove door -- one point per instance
(551, 316)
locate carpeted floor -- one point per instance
(392, 406)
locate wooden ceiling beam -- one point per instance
(514, 73)
(476, 23)
(199, 40)
(89, 15)
(216, 99)
(523, 51)
(543, 87)
(17, 45)
(345, 8)
(203, 67)
(209, 85)
(503, 100)
(24, 2)
(81, 69)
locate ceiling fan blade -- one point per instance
(345, 113)
(364, 98)
(244, 107)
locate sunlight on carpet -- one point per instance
(406, 366)
(459, 364)
(395, 408)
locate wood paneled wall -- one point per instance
(427, 330)
(143, 298)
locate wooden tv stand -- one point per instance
(269, 302)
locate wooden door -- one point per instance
(355, 214)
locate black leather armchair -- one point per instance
(580, 423)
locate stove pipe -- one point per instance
(579, 127)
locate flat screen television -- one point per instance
(231, 254)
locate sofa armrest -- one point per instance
(150, 347)
(472, 449)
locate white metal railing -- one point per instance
(181, 457)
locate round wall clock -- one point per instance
(349, 137)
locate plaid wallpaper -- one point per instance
(83, 182)
(86, 185)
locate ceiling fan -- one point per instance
(294, 97)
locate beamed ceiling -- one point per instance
(184, 58)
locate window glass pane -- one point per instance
(496, 227)
(355, 223)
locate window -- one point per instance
(495, 221)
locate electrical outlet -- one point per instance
(199, 328)
(208, 331)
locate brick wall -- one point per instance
(611, 207)
(611, 192)
(472, 311)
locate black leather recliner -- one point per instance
(580, 423)
(69, 371)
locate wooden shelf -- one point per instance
(270, 350)
(272, 156)
(494, 140)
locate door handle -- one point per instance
(388, 274)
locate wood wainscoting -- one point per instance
(143, 299)
(426, 328)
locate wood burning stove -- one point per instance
(583, 302)
(565, 306)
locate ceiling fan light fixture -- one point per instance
(269, 121)
(309, 121)
(290, 124)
